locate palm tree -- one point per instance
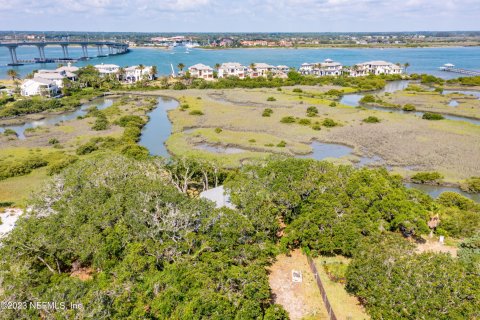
(120, 73)
(217, 66)
(140, 67)
(180, 66)
(153, 71)
(406, 65)
(252, 66)
(12, 74)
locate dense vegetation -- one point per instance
(122, 237)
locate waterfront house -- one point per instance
(38, 86)
(326, 68)
(137, 73)
(105, 69)
(232, 69)
(55, 76)
(68, 68)
(374, 67)
(201, 71)
(261, 70)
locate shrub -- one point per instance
(371, 119)
(282, 144)
(279, 89)
(368, 98)
(87, 148)
(422, 177)
(297, 90)
(100, 124)
(218, 130)
(409, 107)
(10, 132)
(135, 151)
(20, 168)
(334, 92)
(312, 111)
(184, 106)
(130, 120)
(271, 99)
(58, 166)
(53, 141)
(305, 122)
(267, 112)
(333, 104)
(288, 119)
(316, 127)
(432, 116)
(252, 140)
(471, 185)
(327, 122)
(179, 86)
(196, 113)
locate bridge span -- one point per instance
(112, 47)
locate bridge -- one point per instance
(113, 48)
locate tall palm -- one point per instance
(217, 66)
(121, 73)
(180, 66)
(153, 71)
(252, 66)
(406, 65)
(12, 74)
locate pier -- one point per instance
(451, 68)
(114, 48)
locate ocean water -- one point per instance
(422, 60)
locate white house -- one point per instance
(232, 69)
(55, 76)
(201, 71)
(375, 67)
(68, 68)
(261, 70)
(39, 86)
(326, 68)
(107, 68)
(135, 73)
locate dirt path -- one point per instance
(301, 300)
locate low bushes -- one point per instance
(15, 168)
(196, 113)
(329, 123)
(368, 98)
(409, 107)
(371, 119)
(423, 177)
(271, 99)
(267, 112)
(288, 119)
(471, 185)
(312, 111)
(432, 116)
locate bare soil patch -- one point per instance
(301, 300)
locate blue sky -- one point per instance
(237, 16)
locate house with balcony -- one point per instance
(201, 71)
(55, 76)
(232, 69)
(137, 73)
(261, 70)
(326, 68)
(374, 67)
(38, 87)
(106, 69)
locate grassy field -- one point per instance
(344, 305)
(430, 101)
(405, 142)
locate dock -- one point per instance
(451, 68)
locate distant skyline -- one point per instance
(240, 16)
